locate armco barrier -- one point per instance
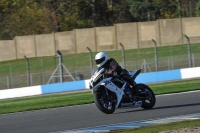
(20, 92)
(150, 77)
(65, 86)
(161, 76)
(188, 73)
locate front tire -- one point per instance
(150, 96)
(103, 102)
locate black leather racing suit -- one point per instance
(112, 66)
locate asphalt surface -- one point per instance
(75, 117)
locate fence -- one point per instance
(148, 65)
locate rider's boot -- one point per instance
(128, 78)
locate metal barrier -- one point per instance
(81, 73)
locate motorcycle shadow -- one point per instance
(128, 110)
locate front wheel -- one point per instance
(150, 98)
(104, 102)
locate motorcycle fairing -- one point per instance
(112, 87)
(97, 75)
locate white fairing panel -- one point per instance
(119, 92)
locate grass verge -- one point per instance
(61, 100)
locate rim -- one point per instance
(149, 98)
(106, 103)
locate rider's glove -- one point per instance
(111, 72)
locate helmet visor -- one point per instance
(99, 61)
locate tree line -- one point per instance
(27, 17)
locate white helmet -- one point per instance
(101, 58)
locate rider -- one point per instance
(112, 67)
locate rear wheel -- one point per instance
(150, 98)
(104, 102)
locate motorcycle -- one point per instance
(112, 92)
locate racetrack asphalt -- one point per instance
(83, 116)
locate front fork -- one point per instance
(109, 99)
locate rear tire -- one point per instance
(106, 105)
(150, 98)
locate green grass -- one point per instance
(178, 86)
(43, 102)
(162, 127)
(40, 64)
(61, 100)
